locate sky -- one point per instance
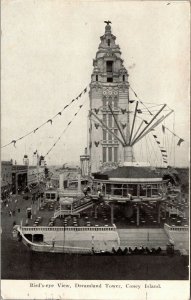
(48, 49)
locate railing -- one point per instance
(73, 210)
(175, 228)
(51, 248)
(82, 228)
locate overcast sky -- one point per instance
(47, 53)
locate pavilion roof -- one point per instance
(133, 172)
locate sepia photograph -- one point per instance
(95, 133)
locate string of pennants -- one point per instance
(162, 150)
(69, 123)
(180, 140)
(48, 121)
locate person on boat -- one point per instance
(53, 243)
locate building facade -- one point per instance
(6, 178)
(109, 88)
(35, 175)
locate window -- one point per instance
(123, 77)
(109, 79)
(110, 137)
(116, 133)
(108, 42)
(110, 154)
(104, 102)
(104, 135)
(115, 154)
(116, 118)
(110, 121)
(109, 66)
(115, 102)
(96, 77)
(104, 154)
(104, 119)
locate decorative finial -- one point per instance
(107, 22)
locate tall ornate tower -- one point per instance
(109, 94)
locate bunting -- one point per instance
(96, 144)
(123, 125)
(131, 101)
(163, 152)
(96, 125)
(14, 142)
(123, 110)
(63, 131)
(180, 141)
(50, 120)
(96, 110)
(43, 124)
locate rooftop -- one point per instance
(133, 172)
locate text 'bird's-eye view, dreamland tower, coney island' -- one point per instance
(125, 201)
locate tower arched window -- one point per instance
(123, 77)
(108, 42)
(96, 77)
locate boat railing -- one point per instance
(51, 247)
(168, 228)
(68, 228)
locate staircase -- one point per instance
(75, 210)
(150, 237)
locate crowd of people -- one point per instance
(130, 251)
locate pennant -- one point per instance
(77, 98)
(14, 142)
(163, 150)
(180, 141)
(139, 111)
(164, 155)
(96, 144)
(75, 114)
(158, 142)
(80, 95)
(65, 106)
(123, 110)
(85, 90)
(131, 101)
(36, 129)
(123, 125)
(50, 120)
(165, 161)
(96, 110)
(163, 128)
(155, 136)
(96, 125)
(145, 122)
(59, 113)
(72, 100)
(35, 152)
(69, 123)
(80, 106)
